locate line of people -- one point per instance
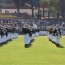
(7, 33)
(54, 35)
(29, 33)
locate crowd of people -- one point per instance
(42, 24)
(30, 28)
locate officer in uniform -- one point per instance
(27, 35)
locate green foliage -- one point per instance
(42, 1)
(54, 5)
(19, 3)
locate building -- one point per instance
(26, 8)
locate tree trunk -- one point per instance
(18, 11)
(38, 10)
(39, 13)
(32, 11)
(48, 14)
(43, 11)
(57, 14)
(49, 11)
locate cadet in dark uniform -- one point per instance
(27, 34)
(54, 36)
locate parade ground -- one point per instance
(41, 52)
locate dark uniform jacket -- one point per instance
(26, 31)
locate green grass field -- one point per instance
(42, 52)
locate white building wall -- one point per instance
(10, 10)
(28, 11)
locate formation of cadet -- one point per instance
(54, 35)
(30, 32)
(7, 33)
(31, 28)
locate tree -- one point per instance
(18, 4)
(54, 7)
(33, 3)
(62, 8)
(44, 2)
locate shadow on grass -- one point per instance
(5, 43)
(30, 44)
(56, 44)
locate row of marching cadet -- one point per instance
(29, 34)
(7, 33)
(54, 34)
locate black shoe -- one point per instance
(60, 46)
(26, 45)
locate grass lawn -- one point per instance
(42, 52)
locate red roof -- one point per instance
(45, 5)
(13, 6)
